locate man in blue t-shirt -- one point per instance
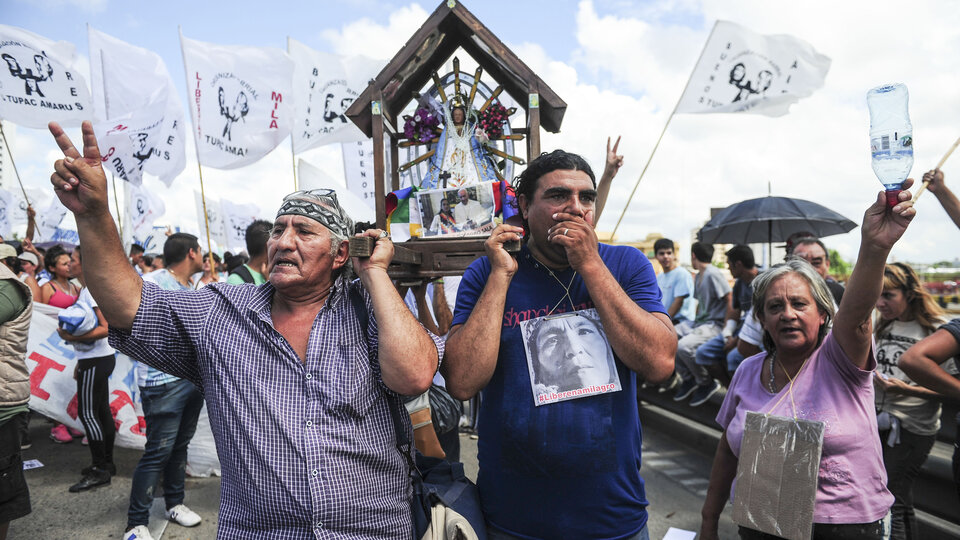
(554, 338)
(676, 285)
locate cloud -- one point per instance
(368, 38)
(627, 69)
(818, 152)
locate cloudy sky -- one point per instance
(620, 66)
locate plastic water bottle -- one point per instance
(891, 137)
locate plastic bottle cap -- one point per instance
(893, 197)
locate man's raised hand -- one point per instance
(79, 180)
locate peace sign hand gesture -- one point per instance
(614, 161)
(79, 180)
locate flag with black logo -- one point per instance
(241, 101)
(133, 84)
(742, 71)
(122, 140)
(214, 220)
(236, 219)
(143, 208)
(39, 82)
(325, 85)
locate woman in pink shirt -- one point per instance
(824, 375)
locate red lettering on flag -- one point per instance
(122, 400)
(44, 364)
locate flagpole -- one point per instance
(116, 204)
(939, 165)
(293, 154)
(196, 145)
(665, 126)
(14, 165)
(293, 160)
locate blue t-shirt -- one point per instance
(569, 469)
(678, 282)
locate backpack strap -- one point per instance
(244, 274)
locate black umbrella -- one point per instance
(772, 219)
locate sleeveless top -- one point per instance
(61, 299)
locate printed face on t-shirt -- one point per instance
(572, 353)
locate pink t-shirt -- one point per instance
(852, 486)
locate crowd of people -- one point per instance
(303, 356)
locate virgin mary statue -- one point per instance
(458, 152)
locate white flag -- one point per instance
(129, 80)
(39, 81)
(143, 208)
(7, 208)
(311, 177)
(241, 101)
(123, 144)
(358, 170)
(214, 220)
(325, 85)
(741, 71)
(18, 205)
(49, 220)
(236, 219)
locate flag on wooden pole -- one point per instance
(133, 84)
(325, 85)
(40, 81)
(742, 71)
(240, 101)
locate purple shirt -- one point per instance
(308, 450)
(852, 481)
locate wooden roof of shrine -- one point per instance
(434, 43)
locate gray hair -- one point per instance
(818, 289)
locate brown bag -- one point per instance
(424, 436)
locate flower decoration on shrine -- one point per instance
(421, 126)
(492, 120)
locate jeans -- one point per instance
(903, 463)
(711, 353)
(170, 412)
(494, 533)
(687, 365)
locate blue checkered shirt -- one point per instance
(307, 450)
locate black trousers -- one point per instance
(827, 531)
(14, 494)
(903, 463)
(93, 406)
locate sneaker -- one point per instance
(686, 388)
(671, 383)
(84, 441)
(97, 477)
(702, 394)
(140, 532)
(75, 433)
(60, 435)
(182, 515)
(109, 467)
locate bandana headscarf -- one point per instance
(319, 205)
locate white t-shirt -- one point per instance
(97, 348)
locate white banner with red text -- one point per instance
(53, 393)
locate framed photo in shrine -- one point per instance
(457, 212)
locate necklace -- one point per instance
(566, 288)
(773, 384)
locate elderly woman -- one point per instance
(818, 374)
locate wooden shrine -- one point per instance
(377, 112)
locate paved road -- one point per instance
(675, 478)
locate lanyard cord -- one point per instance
(793, 404)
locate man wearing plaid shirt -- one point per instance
(298, 387)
